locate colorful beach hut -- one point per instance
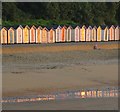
(83, 33)
(44, 38)
(63, 34)
(11, 35)
(33, 34)
(117, 33)
(19, 34)
(77, 33)
(111, 33)
(58, 33)
(26, 34)
(3, 35)
(106, 32)
(69, 34)
(38, 34)
(99, 30)
(89, 33)
(51, 36)
(94, 33)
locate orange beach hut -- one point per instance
(38, 34)
(63, 34)
(33, 34)
(112, 33)
(3, 35)
(44, 38)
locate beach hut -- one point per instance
(11, 36)
(102, 32)
(111, 33)
(51, 36)
(117, 33)
(33, 34)
(99, 30)
(19, 34)
(69, 34)
(3, 35)
(38, 34)
(83, 33)
(94, 33)
(63, 34)
(106, 32)
(26, 34)
(77, 33)
(58, 33)
(89, 33)
(44, 38)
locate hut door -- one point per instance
(32, 35)
(11, 37)
(19, 36)
(3, 36)
(106, 34)
(68, 34)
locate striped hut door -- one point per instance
(11, 37)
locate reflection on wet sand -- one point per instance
(86, 93)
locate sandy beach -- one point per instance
(31, 72)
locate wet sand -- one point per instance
(40, 70)
(75, 104)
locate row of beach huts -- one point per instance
(32, 34)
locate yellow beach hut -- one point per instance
(11, 35)
(44, 38)
(33, 34)
(3, 35)
(19, 34)
(111, 33)
(117, 33)
(58, 33)
(38, 34)
(83, 33)
(94, 33)
(99, 30)
(51, 37)
(77, 33)
(26, 34)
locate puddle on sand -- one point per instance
(82, 93)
